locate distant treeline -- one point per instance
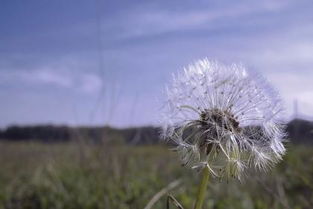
(299, 132)
(52, 133)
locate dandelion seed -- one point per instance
(224, 117)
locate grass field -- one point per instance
(72, 176)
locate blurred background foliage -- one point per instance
(116, 174)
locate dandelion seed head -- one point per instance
(224, 116)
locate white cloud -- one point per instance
(46, 76)
(295, 86)
(160, 20)
(293, 54)
(88, 83)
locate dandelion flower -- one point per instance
(225, 118)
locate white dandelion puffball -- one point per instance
(223, 117)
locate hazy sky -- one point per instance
(107, 61)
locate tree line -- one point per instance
(299, 132)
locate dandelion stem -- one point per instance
(202, 188)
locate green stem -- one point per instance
(202, 188)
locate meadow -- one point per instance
(74, 176)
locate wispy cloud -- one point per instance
(156, 21)
(295, 86)
(45, 77)
(90, 83)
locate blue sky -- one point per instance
(106, 62)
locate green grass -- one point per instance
(121, 177)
